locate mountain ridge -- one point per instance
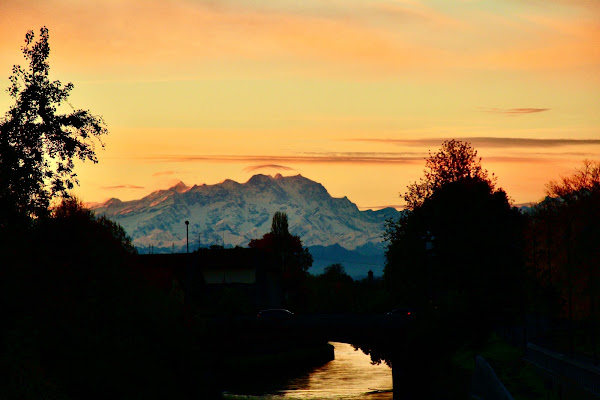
(233, 213)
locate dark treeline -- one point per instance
(78, 319)
(334, 291)
(470, 264)
(563, 257)
(80, 322)
(463, 251)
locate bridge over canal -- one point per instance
(305, 337)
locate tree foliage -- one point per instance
(279, 224)
(335, 270)
(333, 291)
(288, 258)
(584, 182)
(562, 244)
(77, 314)
(454, 256)
(85, 224)
(458, 248)
(456, 160)
(41, 136)
(286, 248)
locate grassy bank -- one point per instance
(519, 377)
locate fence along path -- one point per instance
(565, 370)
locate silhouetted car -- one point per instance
(407, 313)
(275, 314)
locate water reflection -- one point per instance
(350, 376)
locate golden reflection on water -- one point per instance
(350, 376)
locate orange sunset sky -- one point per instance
(349, 93)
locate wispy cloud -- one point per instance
(123, 187)
(496, 142)
(366, 154)
(387, 36)
(530, 142)
(313, 158)
(513, 111)
(231, 30)
(589, 4)
(164, 173)
(253, 168)
(521, 158)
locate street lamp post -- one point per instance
(187, 237)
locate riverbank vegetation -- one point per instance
(472, 264)
(519, 377)
(79, 321)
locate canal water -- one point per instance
(350, 376)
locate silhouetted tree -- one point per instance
(279, 224)
(99, 231)
(562, 234)
(456, 160)
(469, 266)
(289, 258)
(563, 237)
(542, 238)
(458, 233)
(583, 183)
(333, 291)
(336, 270)
(459, 248)
(80, 316)
(455, 257)
(39, 139)
(76, 314)
(287, 248)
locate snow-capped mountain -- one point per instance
(232, 213)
